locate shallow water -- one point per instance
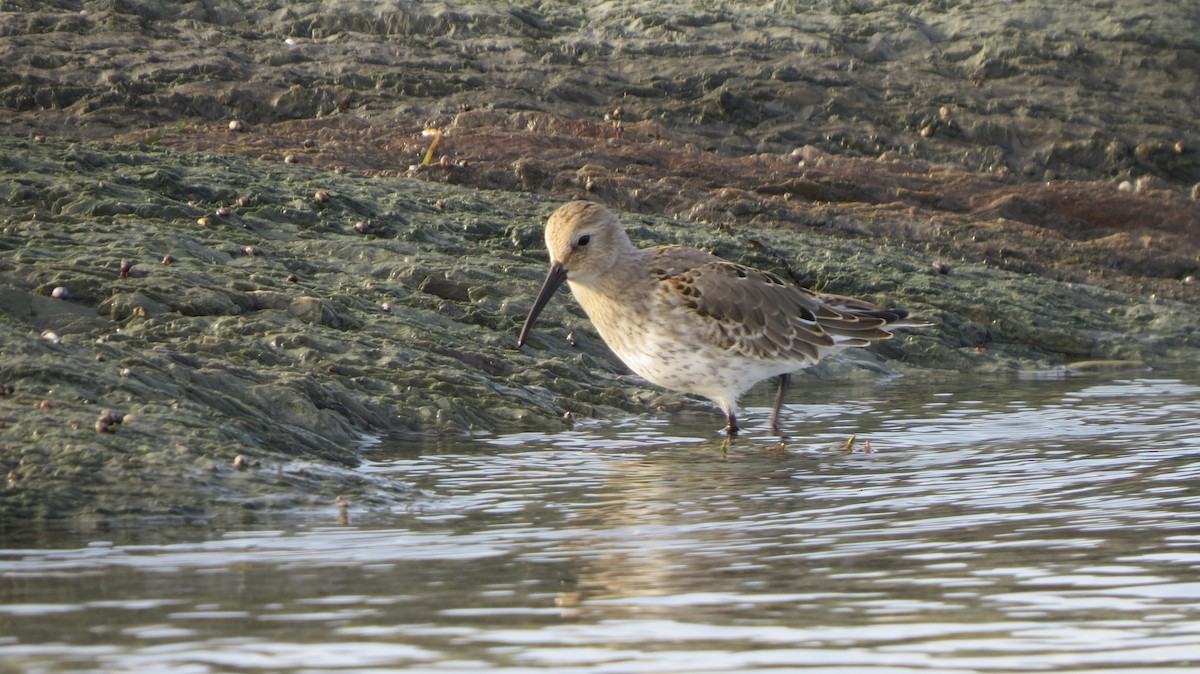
(1047, 524)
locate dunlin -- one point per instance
(690, 321)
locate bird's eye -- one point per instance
(584, 240)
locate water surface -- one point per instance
(994, 525)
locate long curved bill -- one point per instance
(553, 280)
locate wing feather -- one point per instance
(758, 315)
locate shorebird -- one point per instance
(690, 321)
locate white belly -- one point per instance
(658, 346)
(714, 374)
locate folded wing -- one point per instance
(758, 315)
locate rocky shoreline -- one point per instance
(251, 304)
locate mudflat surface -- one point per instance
(1023, 174)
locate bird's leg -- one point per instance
(731, 428)
(785, 380)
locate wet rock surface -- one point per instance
(274, 289)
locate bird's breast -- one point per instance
(648, 339)
(621, 319)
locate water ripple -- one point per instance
(994, 526)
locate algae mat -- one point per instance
(221, 307)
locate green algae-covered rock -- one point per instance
(281, 333)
